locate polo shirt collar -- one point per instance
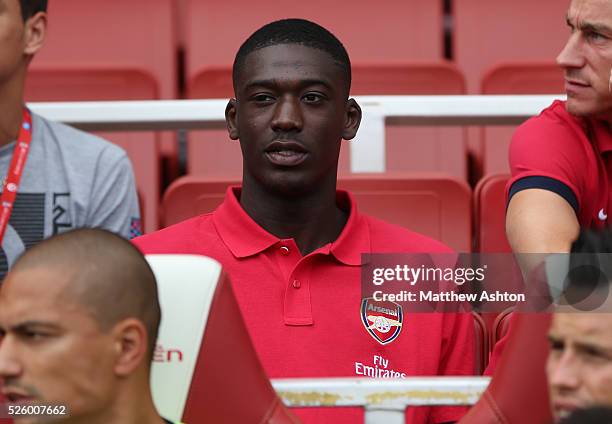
(244, 237)
(355, 236)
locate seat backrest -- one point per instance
(490, 207)
(417, 23)
(432, 204)
(205, 368)
(513, 78)
(487, 33)
(98, 40)
(112, 50)
(481, 340)
(518, 392)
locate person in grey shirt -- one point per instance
(70, 179)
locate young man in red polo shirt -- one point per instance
(292, 243)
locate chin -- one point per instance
(579, 108)
(589, 108)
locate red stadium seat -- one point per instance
(490, 222)
(443, 211)
(402, 29)
(518, 391)
(501, 325)
(198, 376)
(112, 50)
(482, 344)
(490, 33)
(380, 66)
(499, 31)
(490, 208)
(513, 78)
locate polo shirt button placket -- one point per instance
(297, 284)
(284, 250)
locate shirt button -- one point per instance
(296, 284)
(284, 250)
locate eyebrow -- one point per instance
(589, 26)
(34, 324)
(275, 82)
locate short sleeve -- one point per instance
(547, 152)
(114, 199)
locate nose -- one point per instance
(9, 366)
(571, 56)
(564, 372)
(288, 115)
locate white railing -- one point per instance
(366, 156)
(384, 401)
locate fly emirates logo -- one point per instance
(378, 369)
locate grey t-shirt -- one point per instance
(71, 179)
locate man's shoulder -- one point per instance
(554, 119)
(553, 131)
(187, 236)
(387, 237)
(81, 144)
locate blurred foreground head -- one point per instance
(579, 366)
(79, 316)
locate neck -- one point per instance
(312, 218)
(11, 104)
(133, 405)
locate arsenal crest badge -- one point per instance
(382, 319)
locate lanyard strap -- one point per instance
(11, 184)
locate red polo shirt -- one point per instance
(303, 312)
(568, 155)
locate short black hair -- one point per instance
(31, 7)
(294, 31)
(111, 277)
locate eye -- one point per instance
(263, 98)
(595, 36)
(594, 354)
(33, 335)
(556, 345)
(313, 97)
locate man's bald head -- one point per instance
(104, 273)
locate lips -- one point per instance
(574, 85)
(563, 409)
(15, 396)
(285, 153)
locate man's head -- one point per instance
(23, 25)
(579, 366)
(587, 58)
(291, 111)
(79, 315)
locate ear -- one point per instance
(353, 119)
(130, 337)
(35, 32)
(231, 119)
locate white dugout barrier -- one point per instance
(384, 401)
(368, 155)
